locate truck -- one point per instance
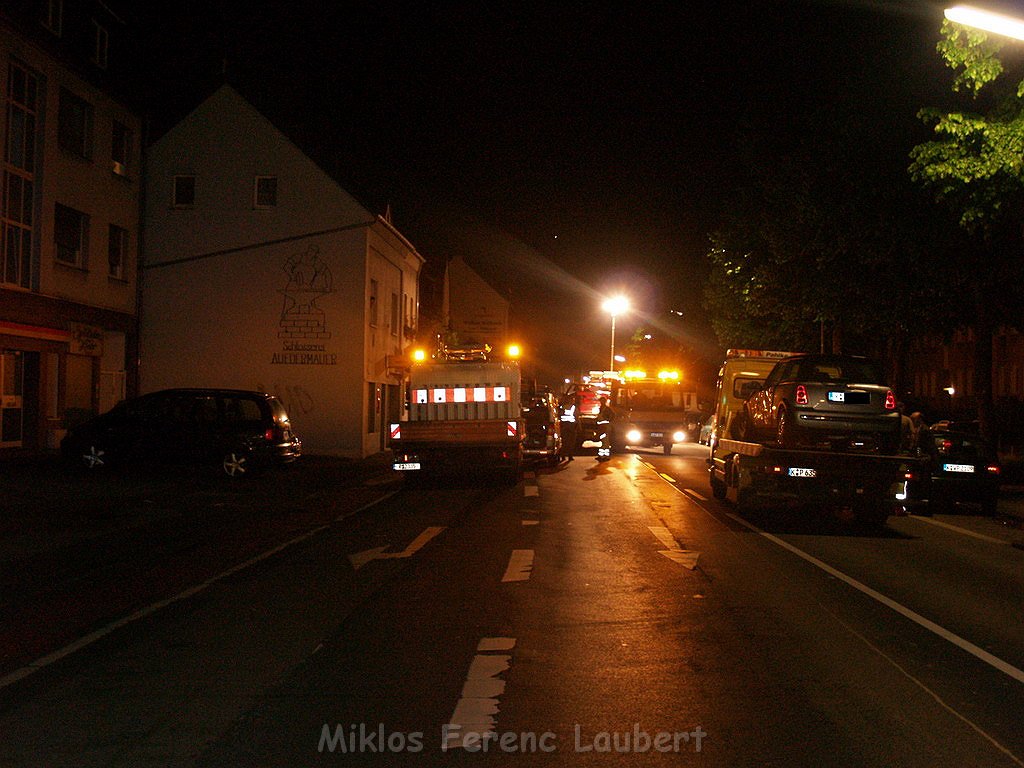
(757, 476)
(653, 411)
(462, 414)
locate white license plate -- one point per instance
(802, 472)
(837, 397)
(958, 468)
(406, 465)
(657, 434)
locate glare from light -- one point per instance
(668, 375)
(616, 305)
(514, 350)
(419, 355)
(949, 390)
(620, 359)
(634, 436)
(635, 374)
(647, 337)
(996, 23)
(678, 436)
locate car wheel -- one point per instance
(785, 435)
(237, 463)
(94, 458)
(717, 487)
(667, 448)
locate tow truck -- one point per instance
(755, 476)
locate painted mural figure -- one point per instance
(309, 279)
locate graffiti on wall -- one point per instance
(303, 324)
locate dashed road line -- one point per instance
(692, 493)
(958, 529)
(473, 720)
(520, 565)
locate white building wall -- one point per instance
(274, 299)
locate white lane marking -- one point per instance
(520, 565)
(92, 637)
(958, 529)
(994, 661)
(473, 718)
(531, 490)
(667, 477)
(685, 557)
(359, 559)
(664, 535)
(692, 493)
(531, 522)
(496, 644)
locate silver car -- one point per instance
(825, 401)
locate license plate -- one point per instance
(958, 468)
(405, 465)
(855, 398)
(657, 434)
(802, 472)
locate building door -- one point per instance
(12, 397)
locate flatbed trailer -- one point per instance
(868, 486)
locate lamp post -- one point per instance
(614, 306)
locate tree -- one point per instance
(829, 245)
(974, 169)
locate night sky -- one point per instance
(567, 150)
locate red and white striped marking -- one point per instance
(460, 395)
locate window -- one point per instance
(120, 148)
(373, 302)
(70, 236)
(394, 314)
(265, 192)
(53, 15)
(101, 41)
(117, 252)
(74, 124)
(184, 191)
(17, 193)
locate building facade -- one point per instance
(261, 272)
(69, 221)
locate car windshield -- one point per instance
(838, 369)
(654, 396)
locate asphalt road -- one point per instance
(595, 613)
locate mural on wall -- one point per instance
(303, 324)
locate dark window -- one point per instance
(265, 192)
(74, 124)
(395, 311)
(121, 141)
(373, 302)
(184, 191)
(117, 250)
(70, 235)
(101, 44)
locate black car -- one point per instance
(543, 438)
(237, 430)
(964, 469)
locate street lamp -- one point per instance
(616, 305)
(1007, 26)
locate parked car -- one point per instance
(237, 430)
(543, 438)
(835, 401)
(964, 469)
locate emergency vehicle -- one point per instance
(463, 413)
(653, 411)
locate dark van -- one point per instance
(235, 430)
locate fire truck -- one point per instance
(653, 411)
(462, 414)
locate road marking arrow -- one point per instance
(675, 553)
(359, 559)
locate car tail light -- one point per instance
(992, 469)
(269, 435)
(890, 401)
(801, 395)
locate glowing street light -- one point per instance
(997, 23)
(616, 305)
